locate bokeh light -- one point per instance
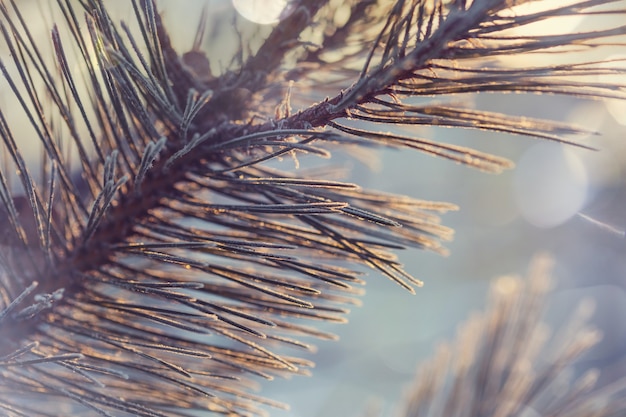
(551, 184)
(264, 12)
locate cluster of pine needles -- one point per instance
(157, 261)
(508, 362)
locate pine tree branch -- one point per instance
(503, 363)
(158, 223)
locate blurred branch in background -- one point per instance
(506, 362)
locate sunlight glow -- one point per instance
(551, 184)
(264, 12)
(616, 107)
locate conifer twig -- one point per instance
(505, 363)
(161, 251)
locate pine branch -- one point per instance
(505, 363)
(159, 252)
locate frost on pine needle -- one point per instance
(156, 260)
(507, 362)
